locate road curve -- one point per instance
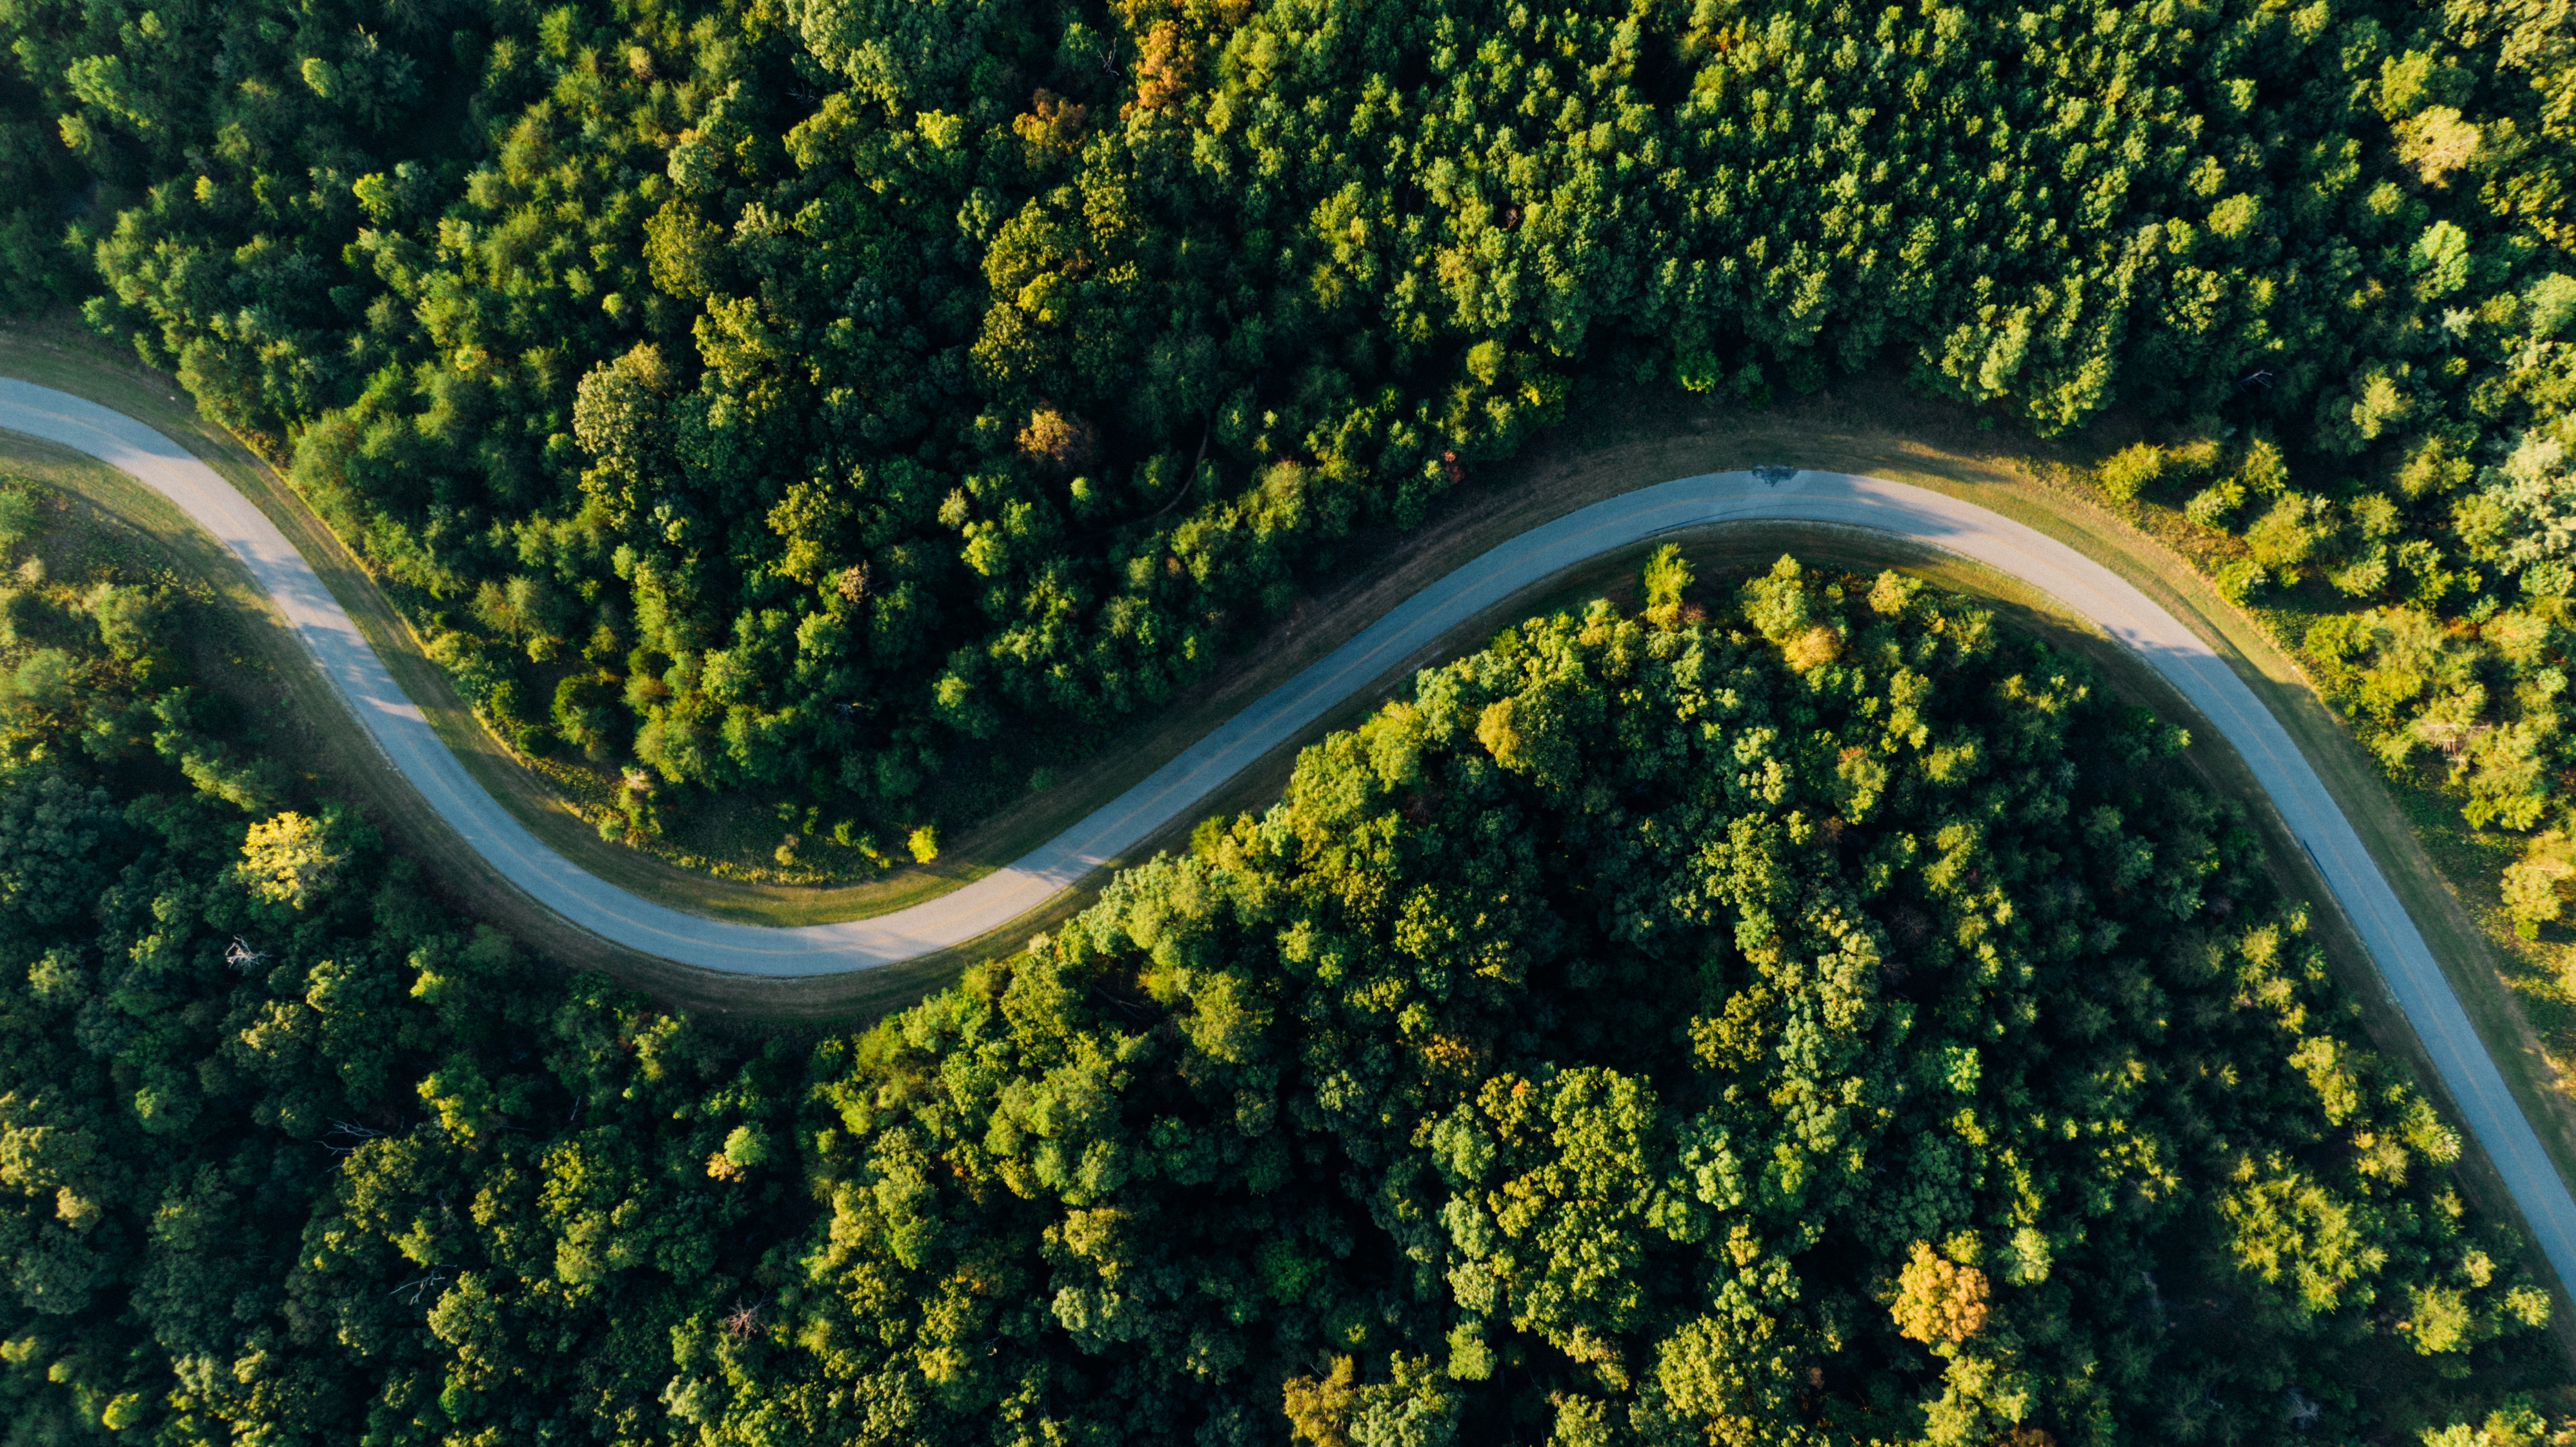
(2414, 979)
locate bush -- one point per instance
(2132, 470)
(2214, 505)
(19, 515)
(1666, 579)
(2237, 581)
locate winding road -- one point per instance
(2414, 979)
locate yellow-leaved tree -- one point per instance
(290, 858)
(1938, 1300)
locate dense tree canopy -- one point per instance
(1882, 1043)
(1795, 1014)
(861, 402)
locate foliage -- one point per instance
(1880, 1043)
(860, 404)
(290, 859)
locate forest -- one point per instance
(1888, 1042)
(865, 407)
(1794, 1011)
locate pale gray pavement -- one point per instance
(2085, 587)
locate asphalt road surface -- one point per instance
(2085, 587)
